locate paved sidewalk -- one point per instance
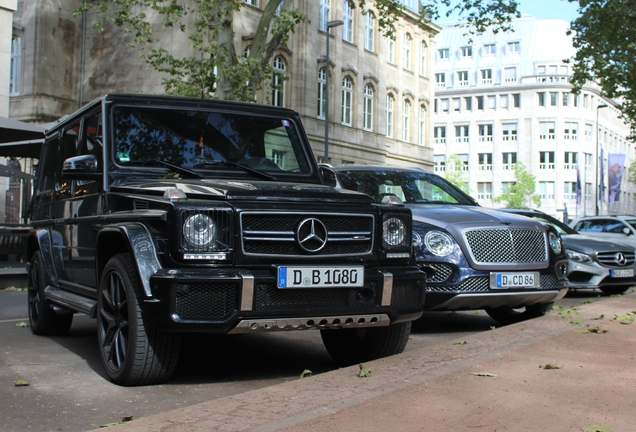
(500, 380)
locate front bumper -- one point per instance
(246, 300)
(593, 275)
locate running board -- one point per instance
(311, 323)
(71, 301)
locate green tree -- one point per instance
(605, 41)
(215, 68)
(455, 172)
(521, 193)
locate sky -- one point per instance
(543, 9)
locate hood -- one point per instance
(465, 216)
(591, 245)
(242, 190)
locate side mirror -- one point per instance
(627, 231)
(329, 177)
(84, 167)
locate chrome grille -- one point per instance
(269, 233)
(506, 245)
(611, 259)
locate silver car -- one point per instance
(593, 262)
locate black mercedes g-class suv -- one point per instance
(161, 215)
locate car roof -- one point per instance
(378, 168)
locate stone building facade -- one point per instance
(66, 63)
(506, 98)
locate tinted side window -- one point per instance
(590, 226)
(49, 164)
(614, 227)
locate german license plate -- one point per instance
(320, 277)
(622, 273)
(515, 280)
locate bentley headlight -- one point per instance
(199, 230)
(577, 256)
(393, 231)
(439, 243)
(555, 243)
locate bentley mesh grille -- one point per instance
(205, 301)
(611, 259)
(408, 294)
(442, 272)
(269, 298)
(506, 245)
(275, 234)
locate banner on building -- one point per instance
(601, 185)
(615, 168)
(578, 184)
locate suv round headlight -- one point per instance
(393, 231)
(555, 243)
(439, 243)
(199, 230)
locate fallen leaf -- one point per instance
(461, 343)
(577, 321)
(626, 319)
(363, 373)
(484, 374)
(22, 324)
(21, 383)
(123, 420)
(549, 366)
(600, 317)
(492, 327)
(597, 330)
(306, 373)
(596, 429)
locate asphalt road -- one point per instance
(69, 392)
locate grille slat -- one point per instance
(506, 245)
(609, 259)
(271, 233)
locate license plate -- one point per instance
(515, 280)
(622, 273)
(320, 277)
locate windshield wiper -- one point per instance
(245, 168)
(175, 168)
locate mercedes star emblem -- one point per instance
(311, 235)
(620, 259)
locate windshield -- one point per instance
(206, 140)
(410, 186)
(557, 224)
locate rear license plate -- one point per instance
(320, 277)
(515, 280)
(622, 273)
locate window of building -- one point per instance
(444, 105)
(461, 133)
(588, 161)
(541, 98)
(325, 14)
(513, 47)
(468, 103)
(485, 132)
(406, 120)
(509, 131)
(503, 101)
(492, 102)
(407, 51)
(440, 79)
(467, 51)
(506, 186)
(480, 103)
(443, 53)
(369, 32)
(546, 160)
(554, 99)
(347, 29)
(546, 190)
(421, 130)
(15, 71)
(486, 76)
(322, 92)
(509, 161)
(368, 107)
(490, 49)
(462, 78)
(252, 2)
(390, 50)
(347, 100)
(278, 92)
(546, 130)
(439, 134)
(570, 159)
(457, 104)
(571, 131)
(484, 190)
(440, 163)
(588, 132)
(566, 99)
(516, 100)
(576, 98)
(588, 191)
(485, 161)
(390, 102)
(464, 162)
(586, 101)
(510, 75)
(423, 48)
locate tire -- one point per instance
(507, 315)
(352, 346)
(613, 290)
(132, 352)
(43, 320)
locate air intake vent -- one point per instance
(140, 205)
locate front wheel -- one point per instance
(613, 290)
(43, 320)
(132, 352)
(352, 346)
(507, 315)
